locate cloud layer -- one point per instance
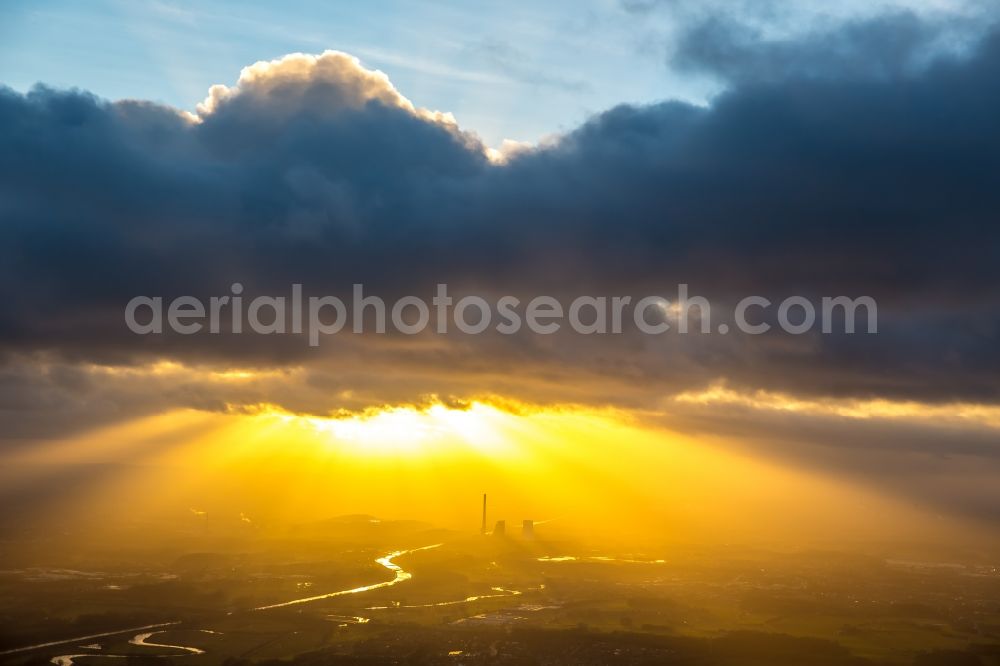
(315, 170)
(808, 176)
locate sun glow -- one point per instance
(401, 429)
(584, 469)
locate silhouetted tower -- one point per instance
(482, 530)
(500, 529)
(528, 529)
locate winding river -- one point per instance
(386, 562)
(141, 639)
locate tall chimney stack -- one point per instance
(483, 529)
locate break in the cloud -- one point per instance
(806, 176)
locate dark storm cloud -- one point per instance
(814, 173)
(885, 47)
(319, 172)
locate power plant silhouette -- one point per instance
(500, 528)
(483, 531)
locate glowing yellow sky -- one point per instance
(589, 470)
(769, 401)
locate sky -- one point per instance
(518, 71)
(741, 148)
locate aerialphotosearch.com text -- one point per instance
(319, 316)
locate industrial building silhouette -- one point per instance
(500, 527)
